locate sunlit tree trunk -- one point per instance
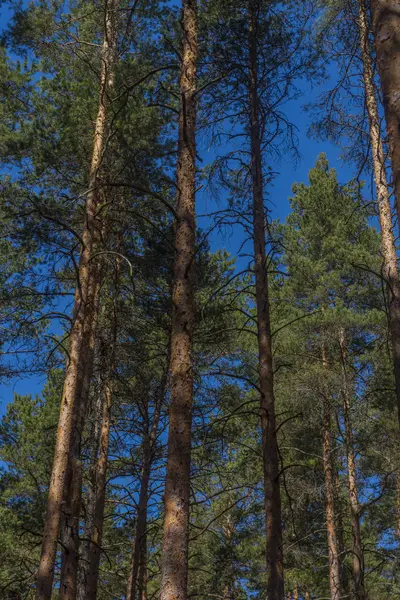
(83, 319)
(272, 498)
(385, 22)
(177, 485)
(333, 553)
(386, 28)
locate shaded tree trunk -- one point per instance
(100, 481)
(177, 485)
(142, 577)
(385, 23)
(333, 554)
(89, 572)
(272, 498)
(137, 575)
(84, 316)
(73, 484)
(386, 27)
(357, 549)
(344, 579)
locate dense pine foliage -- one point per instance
(208, 424)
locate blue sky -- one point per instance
(278, 194)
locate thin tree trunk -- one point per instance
(137, 573)
(344, 580)
(95, 433)
(384, 22)
(358, 555)
(142, 577)
(333, 554)
(177, 486)
(272, 498)
(90, 569)
(73, 485)
(83, 313)
(141, 523)
(386, 27)
(100, 482)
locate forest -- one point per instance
(199, 376)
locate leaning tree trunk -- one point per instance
(386, 27)
(358, 555)
(272, 497)
(333, 553)
(177, 485)
(138, 561)
(388, 248)
(84, 316)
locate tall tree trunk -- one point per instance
(385, 20)
(142, 576)
(94, 445)
(136, 578)
(83, 319)
(272, 497)
(344, 580)
(101, 480)
(386, 27)
(333, 554)
(73, 484)
(358, 555)
(88, 583)
(177, 485)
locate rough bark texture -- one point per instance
(177, 486)
(82, 326)
(333, 553)
(357, 549)
(386, 26)
(386, 21)
(272, 498)
(137, 574)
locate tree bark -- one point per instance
(136, 580)
(83, 322)
(101, 480)
(384, 23)
(333, 554)
(73, 484)
(89, 573)
(272, 497)
(344, 580)
(177, 486)
(357, 549)
(386, 27)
